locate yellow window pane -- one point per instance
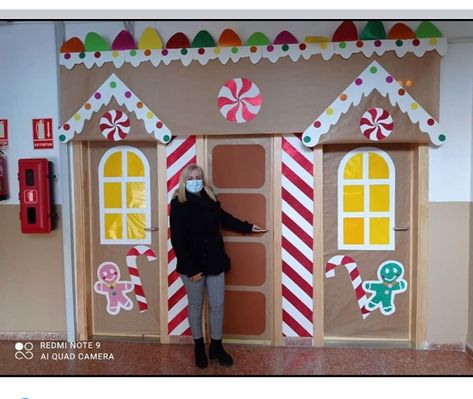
(135, 165)
(353, 231)
(354, 167)
(353, 198)
(113, 226)
(378, 167)
(379, 198)
(136, 226)
(112, 193)
(113, 165)
(379, 231)
(135, 195)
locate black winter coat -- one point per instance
(195, 234)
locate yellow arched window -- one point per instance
(124, 195)
(366, 193)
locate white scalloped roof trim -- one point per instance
(124, 96)
(374, 77)
(272, 52)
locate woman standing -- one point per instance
(195, 219)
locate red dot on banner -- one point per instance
(302, 46)
(317, 124)
(253, 49)
(139, 104)
(201, 51)
(66, 126)
(401, 92)
(159, 125)
(430, 122)
(147, 53)
(416, 42)
(97, 54)
(359, 44)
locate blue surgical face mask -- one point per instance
(194, 186)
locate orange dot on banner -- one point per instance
(343, 97)
(147, 53)
(87, 106)
(253, 49)
(139, 104)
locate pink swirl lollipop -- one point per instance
(114, 125)
(376, 124)
(239, 100)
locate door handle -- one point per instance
(151, 228)
(401, 228)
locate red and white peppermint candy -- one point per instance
(376, 124)
(115, 125)
(239, 100)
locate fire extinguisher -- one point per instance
(4, 193)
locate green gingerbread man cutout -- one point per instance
(390, 283)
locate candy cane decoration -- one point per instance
(376, 124)
(239, 100)
(355, 278)
(133, 253)
(114, 125)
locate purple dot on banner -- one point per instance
(98, 96)
(128, 94)
(377, 43)
(270, 48)
(67, 56)
(389, 79)
(358, 81)
(164, 52)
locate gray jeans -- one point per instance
(195, 294)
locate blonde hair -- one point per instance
(180, 192)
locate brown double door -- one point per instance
(239, 170)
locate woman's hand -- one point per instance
(257, 229)
(196, 277)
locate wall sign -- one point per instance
(43, 133)
(3, 132)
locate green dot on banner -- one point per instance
(81, 55)
(113, 84)
(184, 51)
(62, 137)
(234, 50)
(285, 47)
(373, 69)
(399, 43)
(306, 139)
(342, 44)
(166, 138)
(442, 137)
(133, 53)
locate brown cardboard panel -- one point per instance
(342, 317)
(249, 207)
(248, 263)
(245, 313)
(238, 166)
(294, 93)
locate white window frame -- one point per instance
(366, 182)
(124, 211)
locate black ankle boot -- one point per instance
(200, 356)
(216, 351)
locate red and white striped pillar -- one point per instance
(180, 152)
(297, 191)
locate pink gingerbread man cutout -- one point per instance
(109, 284)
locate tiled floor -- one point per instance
(157, 359)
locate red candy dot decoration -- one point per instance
(359, 44)
(430, 122)
(66, 126)
(302, 46)
(159, 125)
(317, 124)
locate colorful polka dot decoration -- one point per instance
(203, 48)
(376, 124)
(239, 100)
(114, 124)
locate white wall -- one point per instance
(28, 89)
